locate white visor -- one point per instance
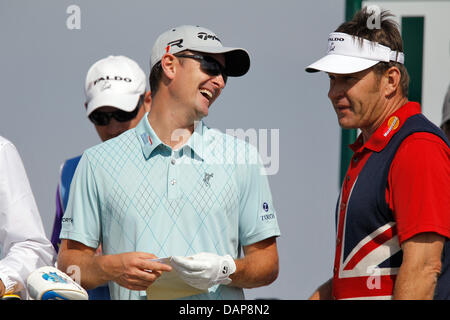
(349, 54)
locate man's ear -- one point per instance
(168, 64)
(392, 81)
(147, 101)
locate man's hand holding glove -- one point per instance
(204, 270)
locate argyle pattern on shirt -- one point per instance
(133, 193)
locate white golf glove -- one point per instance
(204, 270)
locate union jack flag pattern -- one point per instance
(368, 253)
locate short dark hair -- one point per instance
(155, 78)
(156, 75)
(387, 35)
(446, 128)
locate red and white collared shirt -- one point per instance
(418, 195)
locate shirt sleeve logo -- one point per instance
(269, 216)
(67, 220)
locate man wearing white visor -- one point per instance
(175, 188)
(392, 216)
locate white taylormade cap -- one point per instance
(115, 81)
(195, 38)
(349, 54)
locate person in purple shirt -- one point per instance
(116, 100)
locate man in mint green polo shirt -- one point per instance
(172, 187)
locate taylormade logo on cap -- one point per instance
(182, 38)
(179, 43)
(199, 39)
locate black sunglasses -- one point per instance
(100, 118)
(208, 64)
